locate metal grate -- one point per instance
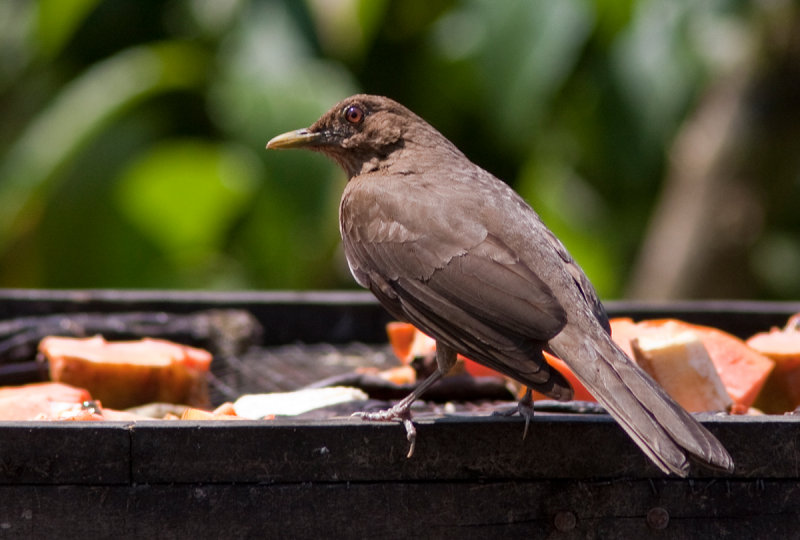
(290, 367)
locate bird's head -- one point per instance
(360, 133)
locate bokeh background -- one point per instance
(660, 139)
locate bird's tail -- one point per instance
(663, 429)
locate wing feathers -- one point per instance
(459, 283)
(516, 357)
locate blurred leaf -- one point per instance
(212, 17)
(79, 112)
(290, 236)
(57, 20)
(268, 80)
(775, 260)
(347, 27)
(529, 48)
(576, 214)
(185, 195)
(657, 69)
(612, 16)
(16, 23)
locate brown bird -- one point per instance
(445, 245)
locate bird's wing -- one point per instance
(438, 267)
(582, 283)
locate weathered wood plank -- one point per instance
(64, 453)
(349, 450)
(536, 509)
(458, 449)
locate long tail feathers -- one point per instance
(663, 429)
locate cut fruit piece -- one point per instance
(683, 367)
(782, 389)
(742, 370)
(31, 400)
(130, 373)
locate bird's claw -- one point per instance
(389, 415)
(524, 408)
(411, 435)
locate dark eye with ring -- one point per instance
(354, 114)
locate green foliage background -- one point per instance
(133, 132)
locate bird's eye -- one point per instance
(354, 114)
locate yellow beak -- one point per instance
(294, 139)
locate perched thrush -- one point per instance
(445, 245)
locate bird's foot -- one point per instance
(524, 408)
(400, 412)
(445, 358)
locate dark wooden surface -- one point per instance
(452, 449)
(480, 510)
(575, 476)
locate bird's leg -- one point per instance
(524, 408)
(445, 359)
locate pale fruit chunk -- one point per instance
(255, 406)
(682, 366)
(743, 371)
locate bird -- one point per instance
(447, 246)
